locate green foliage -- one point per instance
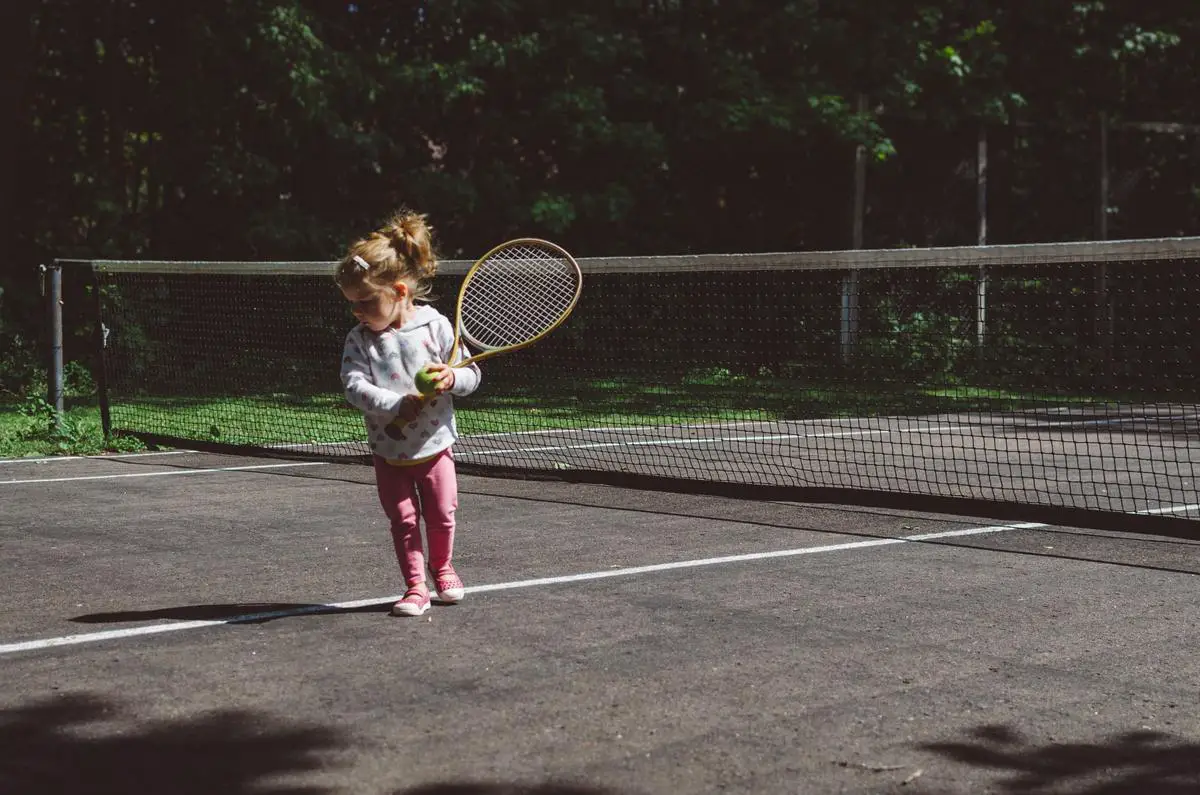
(20, 370)
(68, 434)
(77, 380)
(270, 130)
(27, 428)
(555, 213)
(925, 346)
(278, 129)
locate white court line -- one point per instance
(169, 473)
(666, 442)
(711, 440)
(182, 626)
(1172, 509)
(158, 629)
(55, 459)
(616, 429)
(1114, 421)
(834, 421)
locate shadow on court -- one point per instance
(245, 613)
(1142, 762)
(621, 642)
(469, 788)
(73, 745)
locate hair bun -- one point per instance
(411, 238)
(400, 250)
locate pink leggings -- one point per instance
(428, 490)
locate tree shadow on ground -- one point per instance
(79, 744)
(489, 788)
(1142, 762)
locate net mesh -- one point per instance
(1049, 375)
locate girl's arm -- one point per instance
(360, 389)
(466, 379)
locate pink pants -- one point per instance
(409, 493)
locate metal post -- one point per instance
(981, 283)
(860, 183)
(1102, 210)
(849, 314)
(54, 374)
(981, 180)
(850, 281)
(101, 372)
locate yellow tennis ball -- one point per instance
(425, 383)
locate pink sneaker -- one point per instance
(414, 603)
(449, 587)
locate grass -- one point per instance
(726, 399)
(715, 397)
(25, 433)
(269, 419)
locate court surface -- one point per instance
(193, 623)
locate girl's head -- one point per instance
(385, 272)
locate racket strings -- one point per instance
(499, 318)
(516, 295)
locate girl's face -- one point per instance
(376, 308)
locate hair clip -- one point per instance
(361, 263)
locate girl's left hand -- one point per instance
(443, 376)
(410, 407)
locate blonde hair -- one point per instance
(399, 251)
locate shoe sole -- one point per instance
(450, 595)
(410, 610)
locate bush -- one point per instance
(77, 380)
(20, 371)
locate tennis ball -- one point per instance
(425, 383)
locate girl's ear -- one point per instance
(401, 290)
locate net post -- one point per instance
(100, 339)
(849, 314)
(54, 372)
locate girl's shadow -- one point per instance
(238, 613)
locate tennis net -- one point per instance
(1052, 375)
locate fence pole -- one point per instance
(850, 281)
(1102, 209)
(54, 372)
(1105, 315)
(981, 283)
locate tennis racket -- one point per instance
(513, 296)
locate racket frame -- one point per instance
(462, 291)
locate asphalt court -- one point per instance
(611, 641)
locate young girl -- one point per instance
(383, 276)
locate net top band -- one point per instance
(946, 257)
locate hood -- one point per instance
(424, 315)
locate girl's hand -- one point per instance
(410, 407)
(443, 376)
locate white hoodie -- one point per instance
(378, 371)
